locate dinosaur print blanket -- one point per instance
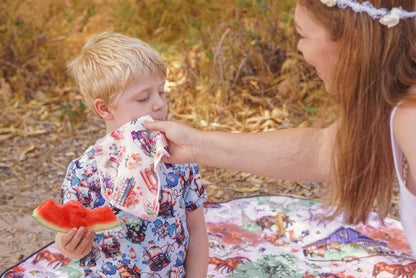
(275, 236)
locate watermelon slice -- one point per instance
(62, 218)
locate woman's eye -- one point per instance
(143, 99)
(299, 36)
(161, 92)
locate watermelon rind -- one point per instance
(47, 224)
(95, 227)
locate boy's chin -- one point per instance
(155, 118)
(160, 118)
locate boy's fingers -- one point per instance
(67, 237)
(76, 243)
(76, 239)
(86, 244)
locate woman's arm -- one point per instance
(196, 261)
(294, 154)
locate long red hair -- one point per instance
(376, 69)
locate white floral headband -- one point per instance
(386, 17)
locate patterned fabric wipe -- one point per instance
(128, 164)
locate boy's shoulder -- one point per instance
(86, 158)
(192, 167)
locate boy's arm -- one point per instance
(76, 243)
(196, 261)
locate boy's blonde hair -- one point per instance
(108, 61)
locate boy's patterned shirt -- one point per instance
(155, 248)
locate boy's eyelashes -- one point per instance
(144, 99)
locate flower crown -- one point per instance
(386, 17)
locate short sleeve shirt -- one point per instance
(138, 247)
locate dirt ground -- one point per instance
(32, 169)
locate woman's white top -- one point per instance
(407, 201)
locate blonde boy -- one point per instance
(121, 79)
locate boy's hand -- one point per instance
(76, 243)
(181, 140)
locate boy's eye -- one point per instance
(143, 99)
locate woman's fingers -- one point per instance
(181, 139)
(156, 125)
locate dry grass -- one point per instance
(233, 64)
(233, 67)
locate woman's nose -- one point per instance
(299, 46)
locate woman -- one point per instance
(366, 56)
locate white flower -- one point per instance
(392, 19)
(329, 3)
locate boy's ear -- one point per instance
(102, 108)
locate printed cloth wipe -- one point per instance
(128, 165)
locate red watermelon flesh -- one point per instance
(73, 214)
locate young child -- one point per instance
(123, 79)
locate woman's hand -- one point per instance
(182, 140)
(75, 244)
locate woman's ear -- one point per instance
(102, 108)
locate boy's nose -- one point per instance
(158, 104)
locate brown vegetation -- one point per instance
(233, 66)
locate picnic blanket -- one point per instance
(274, 236)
